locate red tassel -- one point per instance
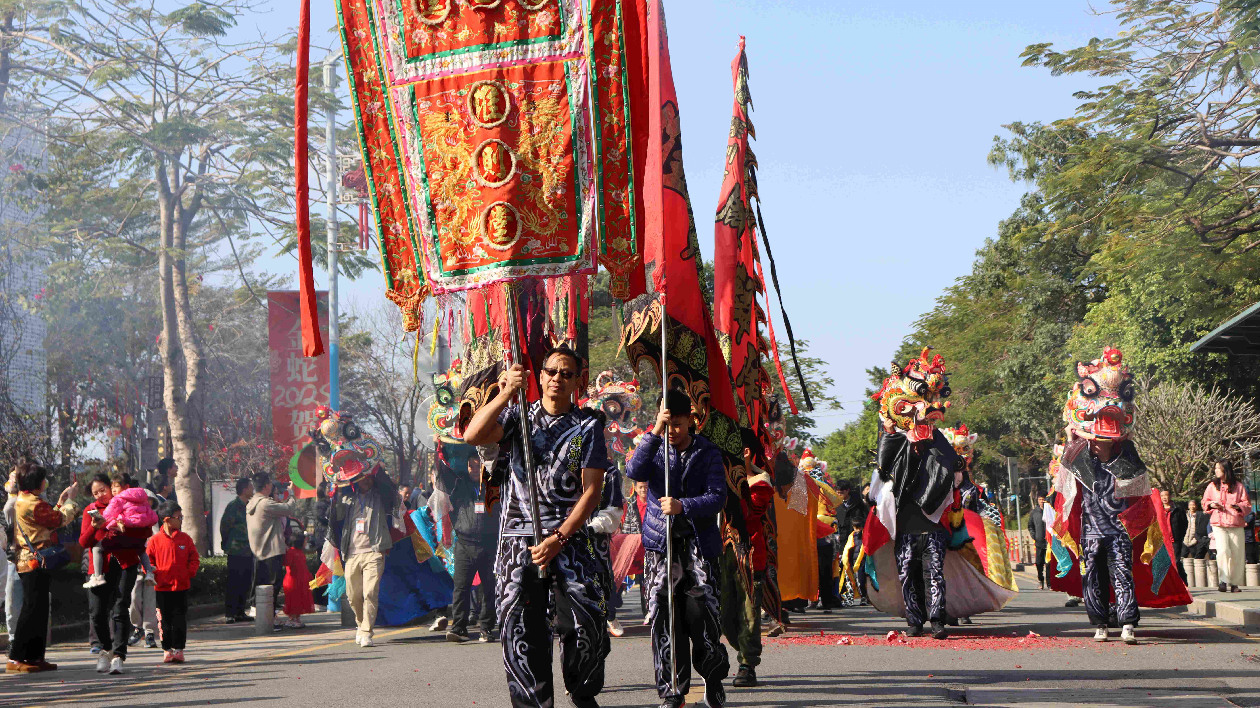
(312, 341)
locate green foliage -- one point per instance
(1137, 232)
(849, 451)
(819, 382)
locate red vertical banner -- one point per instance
(299, 384)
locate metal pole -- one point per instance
(669, 520)
(330, 158)
(1019, 522)
(522, 402)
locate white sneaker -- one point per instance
(1100, 634)
(358, 638)
(615, 628)
(367, 641)
(439, 625)
(102, 661)
(94, 581)
(115, 666)
(1127, 635)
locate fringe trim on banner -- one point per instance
(787, 324)
(437, 324)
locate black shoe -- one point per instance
(138, 634)
(674, 702)
(242, 617)
(150, 641)
(939, 631)
(915, 631)
(745, 678)
(486, 636)
(1221, 587)
(582, 702)
(1072, 602)
(456, 637)
(964, 620)
(714, 695)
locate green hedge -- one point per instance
(69, 598)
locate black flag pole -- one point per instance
(669, 520)
(522, 402)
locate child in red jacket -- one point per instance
(175, 562)
(298, 599)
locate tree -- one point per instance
(381, 388)
(850, 451)
(1179, 116)
(814, 371)
(197, 122)
(1183, 429)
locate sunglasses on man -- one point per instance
(562, 373)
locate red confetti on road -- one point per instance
(955, 642)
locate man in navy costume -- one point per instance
(569, 460)
(697, 484)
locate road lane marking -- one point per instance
(215, 664)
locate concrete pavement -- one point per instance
(840, 659)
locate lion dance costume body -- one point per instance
(948, 565)
(1109, 531)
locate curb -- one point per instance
(1248, 618)
(78, 631)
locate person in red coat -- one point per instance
(89, 539)
(111, 608)
(175, 562)
(298, 599)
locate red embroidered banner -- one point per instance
(382, 163)
(617, 30)
(474, 119)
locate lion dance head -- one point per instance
(1100, 406)
(348, 454)
(621, 404)
(444, 411)
(912, 398)
(964, 443)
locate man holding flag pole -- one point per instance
(686, 491)
(551, 501)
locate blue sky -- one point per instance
(873, 126)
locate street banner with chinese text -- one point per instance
(299, 384)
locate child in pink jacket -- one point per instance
(131, 507)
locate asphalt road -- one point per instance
(840, 659)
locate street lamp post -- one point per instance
(330, 158)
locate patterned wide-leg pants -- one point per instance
(573, 595)
(1108, 567)
(697, 628)
(921, 568)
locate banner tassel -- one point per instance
(787, 324)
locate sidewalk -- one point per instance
(1241, 609)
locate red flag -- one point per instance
(671, 248)
(312, 342)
